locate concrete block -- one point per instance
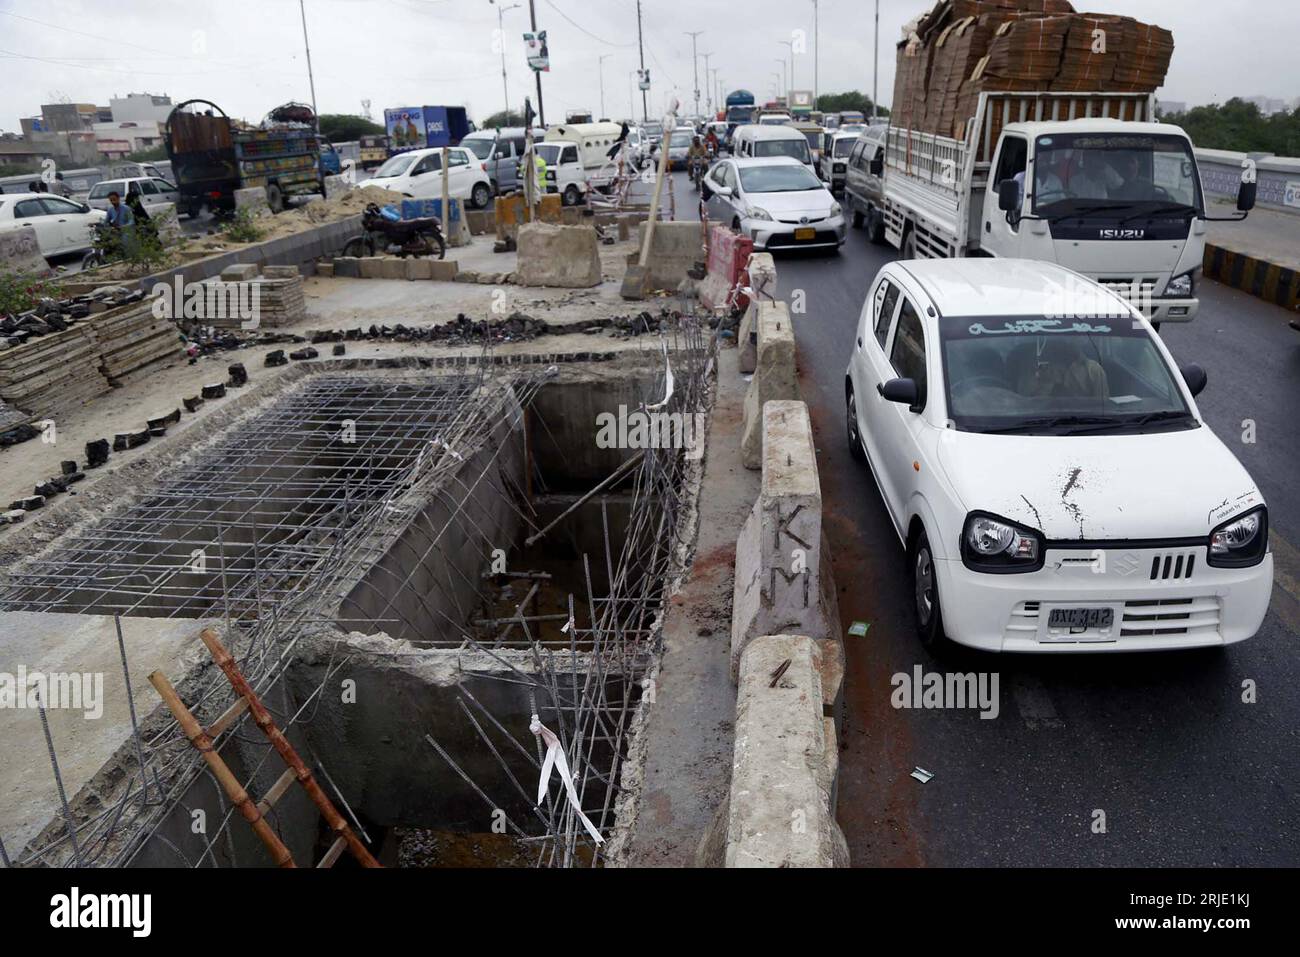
(346, 268)
(336, 186)
(674, 251)
(444, 270)
(563, 256)
(780, 811)
(20, 252)
(240, 272)
(624, 229)
(392, 268)
(372, 267)
(419, 268)
(253, 198)
(775, 376)
(779, 555)
(281, 272)
(167, 222)
(762, 279)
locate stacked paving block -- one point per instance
(131, 341)
(52, 373)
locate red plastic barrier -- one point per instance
(728, 259)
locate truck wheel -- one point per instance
(858, 218)
(274, 198)
(876, 227)
(572, 195)
(909, 244)
(481, 196)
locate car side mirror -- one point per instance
(1008, 196)
(1246, 197)
(878, 166)
(1195, 377)
(902, 391)
(724, 191)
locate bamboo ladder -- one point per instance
(255, 814)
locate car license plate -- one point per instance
(804, 234)
(1081, 619)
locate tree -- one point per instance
(502, 118)
(151, 155)
(852, 100)
(342, 127)
(1238, 125)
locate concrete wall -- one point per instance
(1279, 177)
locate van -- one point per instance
(864, 193)
(594, 141)
(501, 150)
(833, 167)
(762, 141)
(565, 173)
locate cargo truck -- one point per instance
(212, 158)
(1086, 180)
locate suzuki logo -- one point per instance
(1126, 564)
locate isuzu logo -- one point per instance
(1122, 233)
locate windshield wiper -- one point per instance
(1050, 422)
(1160, 210)
(1136, 421)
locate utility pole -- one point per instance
(695, 63)
(785, 73)
(717, 89)
(790, 44)
(600, 66)
(541, 110)
(310, 79)
(640, 42)
(501, 33)
(875, 83)
(817, 54)
(708, 87)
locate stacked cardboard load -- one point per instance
(962, 48)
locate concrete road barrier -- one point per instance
(336, 186)
(564, 256)
(781, 808)
(782, 581)
(1270, 281)
(728, 255)
(775, 376)
(762, 279)
(253, 199)
(674, 251)
(20, 252)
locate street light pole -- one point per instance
(640, 42)
(501, 33)
(541, 109)
(790, 44)
(310, 79)
(695, 63)
(784, 80)
(875, 83)
(817, 54)
(708, 87)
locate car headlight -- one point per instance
(757, 212)
(836, 209)
(1240, 542)
(998, 546)
(1182, 286)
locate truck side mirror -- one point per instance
(878, 166)
(1246, 197)
(1195, 377)
(1008, 196)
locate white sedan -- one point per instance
(775, 200)
(1051, 479)
(418, 175)
(62, 225)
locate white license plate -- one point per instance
(1079, 623)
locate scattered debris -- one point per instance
(859, 629)
(921, 774)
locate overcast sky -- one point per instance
(247, 55)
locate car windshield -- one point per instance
(681, 139)
(1075, 171)
(396, 166)
(1058, 376)
(549, 152)
(844, 147)
(798, 149)
(778, 179)
(479, 146)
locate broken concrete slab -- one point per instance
(563, 256)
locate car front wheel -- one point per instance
(925, 597)
(856, 448)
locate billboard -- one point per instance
(539, 54)
(405, 127)
(417, 127)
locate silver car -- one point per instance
(679, 146)
(152, 191)
(777, 201)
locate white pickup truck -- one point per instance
(1085, 180)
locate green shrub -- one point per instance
(22, 291)
(242, 227)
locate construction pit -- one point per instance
(414, 561)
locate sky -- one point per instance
(247, 55)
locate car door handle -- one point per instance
(859, 342)
(880, 389)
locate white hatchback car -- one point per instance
(1051, 479)
(418, 175)
(62, 225)
(777, 201)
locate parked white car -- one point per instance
(777, 201)
(1051, 479)
(62, 225)
(418, 175)
(153, 191)
(565, 172)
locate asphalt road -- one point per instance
(1184, 771)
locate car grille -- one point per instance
(1139, 618)
(1175, 566)
(796, 222)
(787, 239)
(1143, 292)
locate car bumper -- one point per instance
(1212, 607)
(767, 235)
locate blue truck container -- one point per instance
(424, 127)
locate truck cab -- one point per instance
(1119, 202)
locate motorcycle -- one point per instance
(404, 237)
(697, 168)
